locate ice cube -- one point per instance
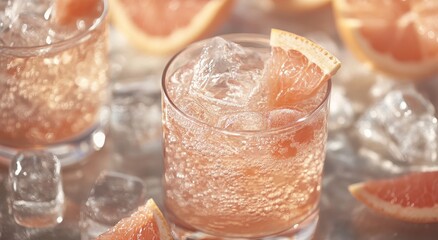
(243, 121)
(135, 118)
(382, 86)
(283, 117)
(113, 197)
(180, 81)
(36, 194)
(341, 110)
(16, 8)
(26, 23)
(355, 78)
(402, 125)
(227, 74)
(341, 153)
(198, 110)
(418, 140)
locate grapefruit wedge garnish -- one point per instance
(147, 223)
(412, 198)
(166, 26)
(298, 68)
(396, 37)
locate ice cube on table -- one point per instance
(114, 196)
(36, 195)
(341, 153)
(355, 78)
(341, 110)
(135, 119)
(402, 125)
(227, 74)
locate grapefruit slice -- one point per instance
(298, 68)
(399, 38)
(412, 198)
(147, 223)
(166, 26)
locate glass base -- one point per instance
(72, 151)
(302, 231)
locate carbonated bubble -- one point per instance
(283, 117)
(243, 121)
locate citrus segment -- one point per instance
(166, 26)
(396, 37)
(298, 68)
(287, 148)
(147, 223)
(413, 197)
(69, 11)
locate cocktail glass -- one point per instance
(249, 183)
(54, 96)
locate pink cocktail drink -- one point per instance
(236, 165)
(53, 77)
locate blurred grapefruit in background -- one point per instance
(166, 26)
(397, 37)
(69, 11)
(299, 5)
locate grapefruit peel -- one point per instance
(315, 53)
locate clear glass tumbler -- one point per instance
(54, 94)
(239, 184)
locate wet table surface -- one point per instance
(134, 142)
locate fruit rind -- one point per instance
(162, 45)
(328, 63)
(163, 227)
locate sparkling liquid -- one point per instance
(54, 92)
(251, 177)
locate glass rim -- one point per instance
(64, 42)
(242, 37)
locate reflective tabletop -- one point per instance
(133, 143)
